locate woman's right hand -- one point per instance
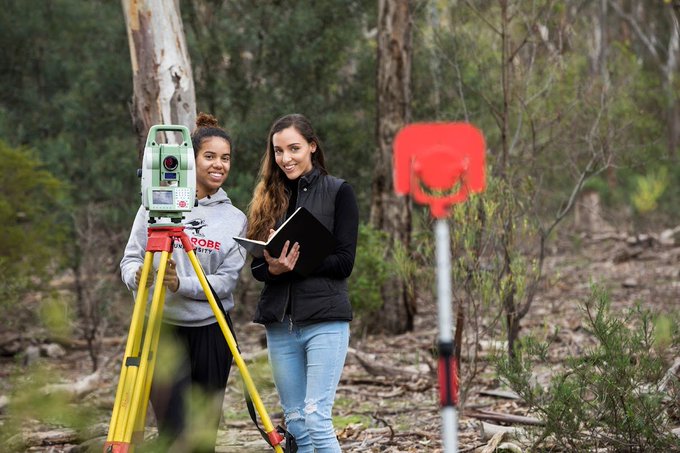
(285, 262)
(138, 277)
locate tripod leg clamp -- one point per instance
(274, 437)
(117, 447)
(448, 375)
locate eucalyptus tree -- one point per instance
(389, 212)
(161, 67)
(255, 61)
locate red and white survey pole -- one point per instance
(439, 164)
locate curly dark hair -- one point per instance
(207, 126)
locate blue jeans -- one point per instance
(307, 362)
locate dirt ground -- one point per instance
(387, 400)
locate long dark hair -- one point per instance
(270, 200)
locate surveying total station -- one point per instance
(440, 164)
(168, 175)
(168, 190)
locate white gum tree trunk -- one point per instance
(161, 68)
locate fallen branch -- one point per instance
(506, 394)
(389, 431)
(625, 253)
(25, 440)
(367, 381)
(77, 343)
(377, 369)
(12, 344)
(75, 390)
(488, 431)
(671, 374)
(503, 418)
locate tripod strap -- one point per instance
(290, 444)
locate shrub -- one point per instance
(34, 226)
(613, 396)
(369, 274)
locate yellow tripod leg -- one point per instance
(128, 372)
(240, 363)
(140, 420)
(136, 376)
(139, 402)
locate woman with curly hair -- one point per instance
(193, 355)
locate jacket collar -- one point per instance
(310, 178)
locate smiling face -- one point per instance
(292, 152)
(213, 162)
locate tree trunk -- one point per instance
(389, 212)
(161, 68)
(671, 69)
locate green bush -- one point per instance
(34, 225)
(612, 396)
(369, 274)
(650, 188)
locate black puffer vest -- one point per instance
(314, 298)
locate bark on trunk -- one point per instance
(389, 212)
(672, 65)
(161, 68)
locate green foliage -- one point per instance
(562, 111)
(34, 228)
(610, 396)
(553, 115)
(666, 333)
(255, 61)
(55, 315)
(36, 399)
(371, 269)
(649, 188)
(341, 422)
(405, 267)
(69, 94)
(11, 289)
(492, 256)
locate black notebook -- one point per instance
(316, 242)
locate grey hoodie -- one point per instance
(210, 227)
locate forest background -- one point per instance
(578, 101)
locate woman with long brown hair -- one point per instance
(306, 318)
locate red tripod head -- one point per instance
(439, 164)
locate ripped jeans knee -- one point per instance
(295, 423)
(310, 418)
(294, 416)
(319, 424)
(312, 425)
